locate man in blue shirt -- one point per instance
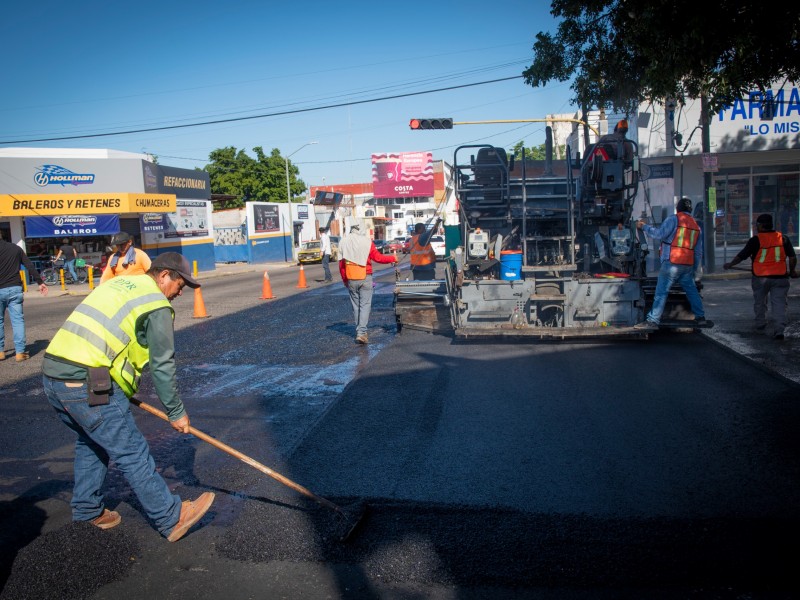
(681, 257)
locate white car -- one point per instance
(437, 243)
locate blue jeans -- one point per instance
(11, 299)
(361, 299)
(70, 265)
(668, 274)
(110, 433)
(325, 260)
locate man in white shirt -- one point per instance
(325, 246)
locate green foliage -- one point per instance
(263, 178)
(535, 152)
(622, 53)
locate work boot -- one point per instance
(107, 519)
(646, 325)
(2, 355)
(22, 356)
(362, 338)
(191, 512)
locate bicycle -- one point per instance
(52, 274)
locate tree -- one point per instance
(234, 172)
(622, 52)
(534, 152)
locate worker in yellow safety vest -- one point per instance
(92, 367)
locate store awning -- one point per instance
(30, 205)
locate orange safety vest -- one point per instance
(771, 257)
(684, 241)
(421, 256)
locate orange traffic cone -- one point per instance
(199, 305)
(301, 280)
(266, 288)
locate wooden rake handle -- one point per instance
(242, 457)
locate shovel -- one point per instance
(349, 518)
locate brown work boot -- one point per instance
(22, 356)
(362, 339)
(2, 355)
(191, 512)
(107, 519)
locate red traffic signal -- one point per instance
(444, 123)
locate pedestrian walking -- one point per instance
(423, 257)
(12, 259)
(325, 248)
(126, 260)
(70, 255)
(91, 368)
(355, 267)
(769, 251)
(681, 261)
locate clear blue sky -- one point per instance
(96, 67)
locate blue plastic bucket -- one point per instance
(511, 265)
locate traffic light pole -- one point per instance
(447, 123)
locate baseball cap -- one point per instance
(120, 238)
(175, 262)
(765, 219)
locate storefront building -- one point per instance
(753, 164)
(87, 195)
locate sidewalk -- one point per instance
(728, 301)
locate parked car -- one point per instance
(437, 243)
(393, 246)
(379, 244)
(310, 252)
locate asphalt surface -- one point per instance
(429, 548)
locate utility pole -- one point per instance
(709, 237)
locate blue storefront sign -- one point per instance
(71, 225)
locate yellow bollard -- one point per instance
(194, 268)
(24, 281)
(90, 271)
(61, 276)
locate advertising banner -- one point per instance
(403, 174)
(71, 225)
(266, 218)
(190, 220)
(326, 198)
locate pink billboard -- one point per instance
(402, 174)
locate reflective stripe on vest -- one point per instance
(771, 258)
(683, 243)
(101, 331)
(421, 255)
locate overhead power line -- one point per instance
(261, 116)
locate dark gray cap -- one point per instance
(120, 238)
(175, 262)
(765, 220)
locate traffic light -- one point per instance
(431, 123)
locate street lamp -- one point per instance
(288, 191)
